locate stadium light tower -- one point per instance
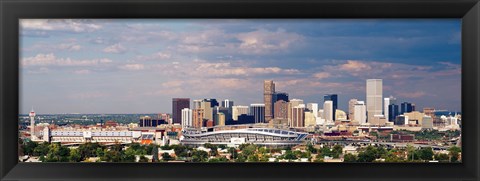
(32, 124)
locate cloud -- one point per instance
(132, 67)
(69, 25)
(51, 59)
(115, 48)
(82, 72)
(263, 41)
(355, 66)
(321, 75)
(155, 56)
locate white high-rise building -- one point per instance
(238, 110)
(360, 112)
(328, 111)
(227, 103)
(32, 125)
(386, 102)
(374, 98)
(314, 108)
(187, 118)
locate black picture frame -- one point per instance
(13, 10)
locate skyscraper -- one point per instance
(258, 112)
(387, 102)
(281, 109)
(298, 114)
(187, 118)
(197, 118)
(360, 112)
(227, 103)
(392, 112)
(351, 108)
(207, 109)
(328, 111)
(177, 105)
(334, 99)
(374, 98)
(291, 105)
(406, 107)
(268, 91)
(239, 110)
(314, 108)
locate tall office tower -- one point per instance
(220, 119)
(360, 112)
(197, 117)
(197, 104)
(32, 124)
(374, 98)
(177, 105)
(298, 114)
(387, 102)
(268, 90)
(207, 109)
(227, 103)
(328, 111)
(334, 99)
(310, 119)
(227, 113)
(314, 108)
(413, 107)
(291, 104)
(406, 107)
(239, 110)
(258, 112)
(392, 112)
(281, 109)
(187, 118)
(351, 108)
(280, 96)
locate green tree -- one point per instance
(454, 153)
(311, 149)
(166, 157)
(253, 158)
(249, 149)
(29, 147)
(442, 157)
(241, 158)
(425, 153)
(42, 149)
(75, 156)
(289, 155)
(337, 151)
(349, 158)
(199, 156)
(368, 155)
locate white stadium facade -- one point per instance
(259, 136)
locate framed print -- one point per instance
(240, 90)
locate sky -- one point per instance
(138, 65)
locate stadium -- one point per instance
(259, 136)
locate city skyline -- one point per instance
(84, 66)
